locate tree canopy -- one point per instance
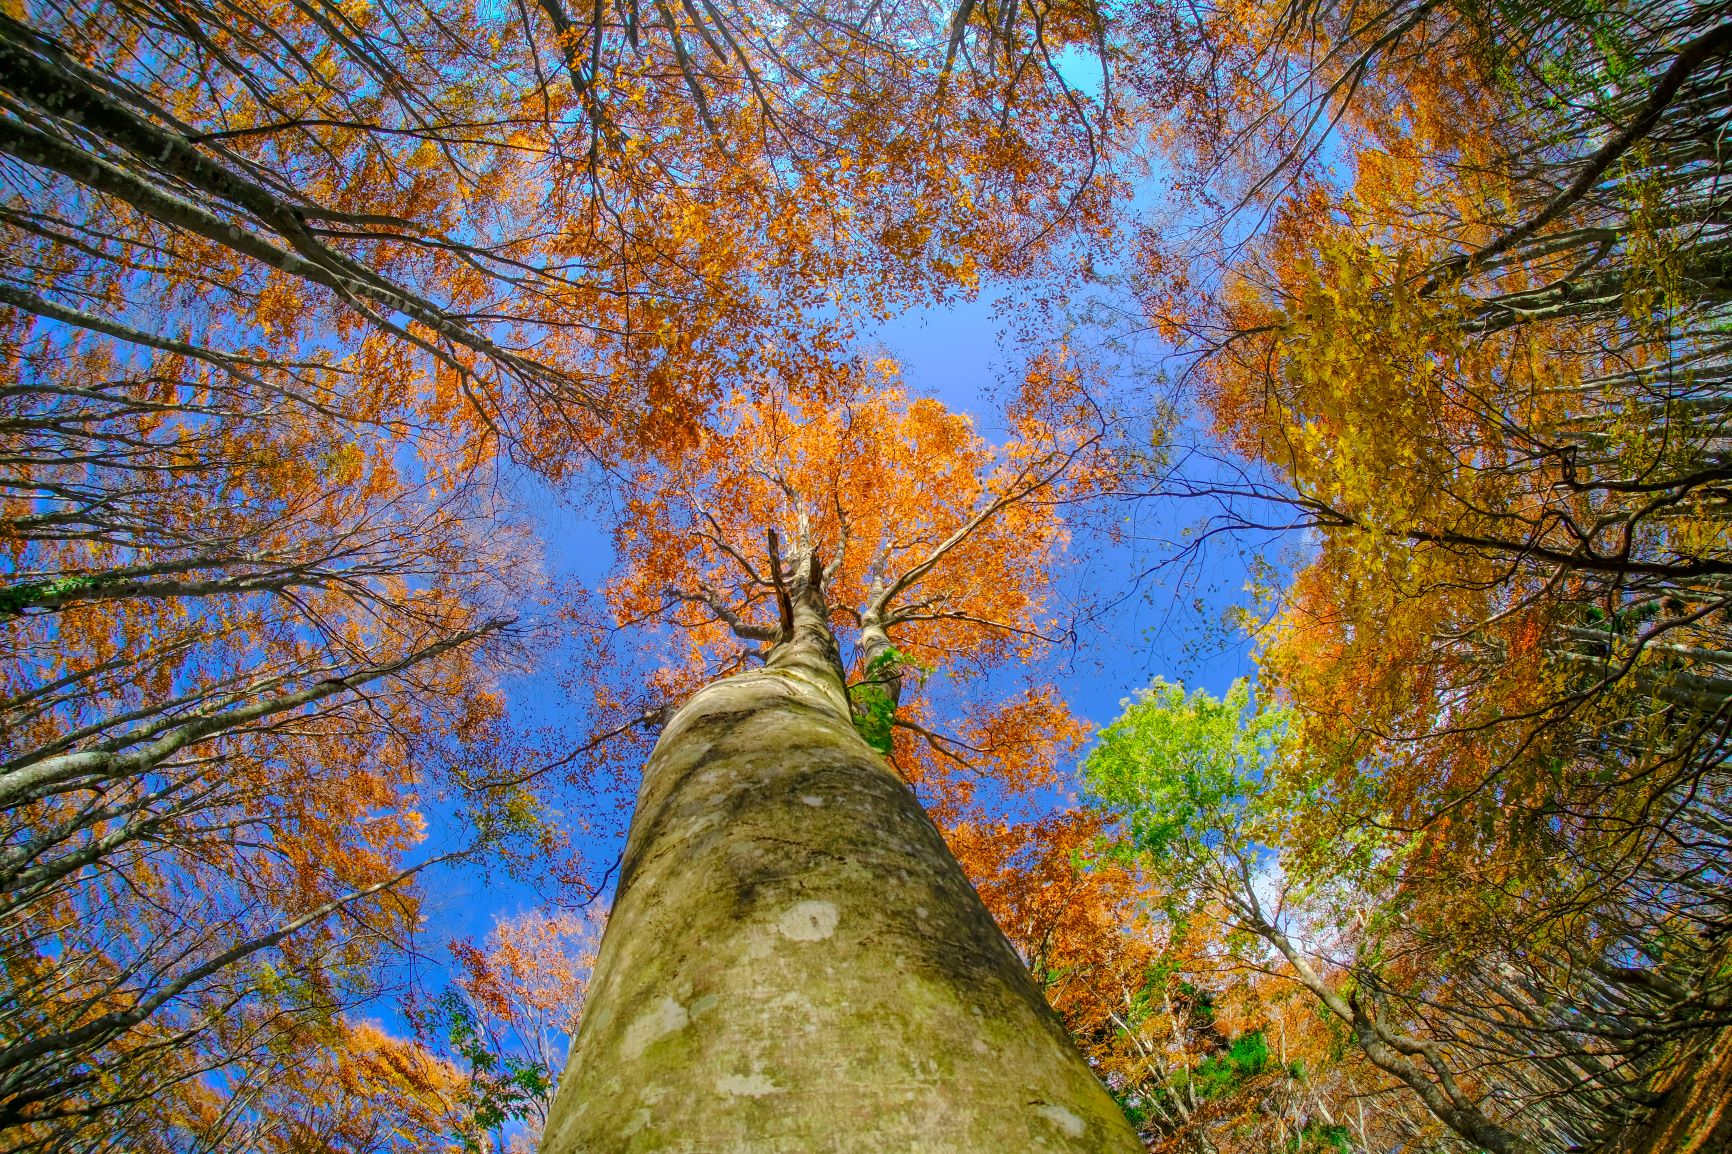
(409, 407)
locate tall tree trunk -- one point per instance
(795, 962)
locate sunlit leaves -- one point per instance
(1187, 771)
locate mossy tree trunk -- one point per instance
(795, 962)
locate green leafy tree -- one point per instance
(1189, 775)
(1198, 783)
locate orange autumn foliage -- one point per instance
(571, 228)
(236, 626)
(1077, 926)
(938, 549)
(365, 1092)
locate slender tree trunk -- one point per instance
(1695, 1114)
(795, 962)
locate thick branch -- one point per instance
(743, 629)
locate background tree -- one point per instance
(234, 627)
(512, 1014)
(351, 1085)
(1477, 362)
(583, 222)
(1197, 783)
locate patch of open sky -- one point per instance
(1081, 68)
(1162, 620)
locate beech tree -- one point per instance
(788, 920)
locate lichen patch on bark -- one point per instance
(746, 1086)
(665, 1017)
(808, 921)
(1066, 1121)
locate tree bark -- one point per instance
(796, 963)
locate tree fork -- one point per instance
(795, 962)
